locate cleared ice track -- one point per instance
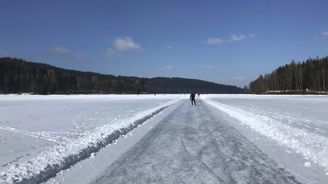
(192, 145)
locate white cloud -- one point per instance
(215, 41)
(236, 38)
(232, 38)
(325, 33)
(122, 44)
(206, 66)
(58, 50)
(126, 43)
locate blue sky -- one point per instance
(229, 42)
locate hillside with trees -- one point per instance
(310, 76)
(19, 76)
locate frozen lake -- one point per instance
(31, 126)
(42, 132)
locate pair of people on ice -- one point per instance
(192, 98)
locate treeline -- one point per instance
(307, 76)
(19, 76)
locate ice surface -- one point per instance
(44, 134)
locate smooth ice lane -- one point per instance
(193, 145)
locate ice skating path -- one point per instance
(193, 145)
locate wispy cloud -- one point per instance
(62, 51)
(110, 52)
(232, 38)
(251, 35)
(206, 66)
(122, 44)
(215, 41)
(236, 38)
(168, 67)
(325, 33)
(126, 43)
(59, 50)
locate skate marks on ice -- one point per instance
(193, 146)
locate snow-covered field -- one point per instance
(42, 135)
(291, 129)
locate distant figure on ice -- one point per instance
(192, 98)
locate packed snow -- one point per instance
(41, 135)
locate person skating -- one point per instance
(192, 98)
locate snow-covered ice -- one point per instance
(41, 135)
(226, 138)
(298, 124)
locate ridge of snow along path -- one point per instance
(54, 159)
(298, 123)
(312, 146)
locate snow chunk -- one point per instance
(307, 164)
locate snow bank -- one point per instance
(51, 161)
(312, 146)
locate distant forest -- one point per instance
(19, 76)
(302, 77)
